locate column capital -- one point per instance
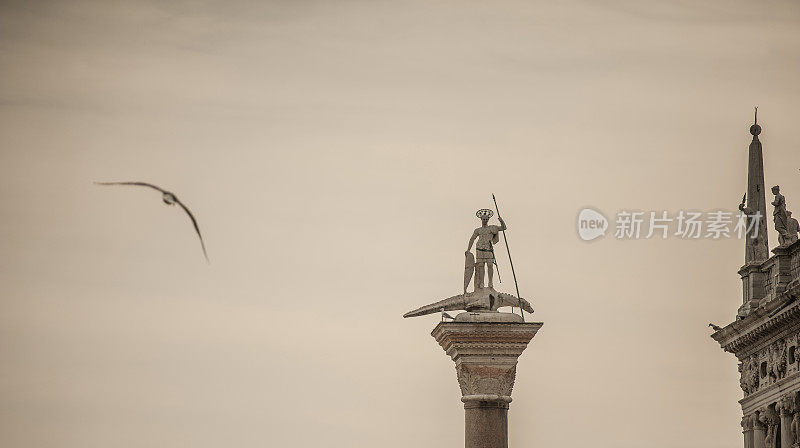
(748, 422)
(485, 355)
(785, 405)
(767, 417)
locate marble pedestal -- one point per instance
(485, 347)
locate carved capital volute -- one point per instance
(748, 422)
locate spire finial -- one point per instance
(755, 129)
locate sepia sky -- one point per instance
(334, 153)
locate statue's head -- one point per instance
(788, 213)
(776, 189)
(484, 214)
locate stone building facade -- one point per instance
(765, 337)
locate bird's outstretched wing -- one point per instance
(196, 227)
(143, 184)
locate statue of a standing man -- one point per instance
(487, 236)
(780, 216)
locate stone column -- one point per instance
(486, 421)
(485, 347)
(747, 430)
(785, 408)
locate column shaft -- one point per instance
(485, 424)
(747, 430)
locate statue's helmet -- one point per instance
(484, 213)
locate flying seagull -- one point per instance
(169, 198)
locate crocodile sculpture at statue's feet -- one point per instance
(484, 299)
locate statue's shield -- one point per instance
(469, 269)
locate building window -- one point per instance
(764, 369)
(792, 355)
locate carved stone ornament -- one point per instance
(747, 422)
(749, 377)
(781, 358)
(476, 379)
(769, 440)
(785, 405)
(768, 417)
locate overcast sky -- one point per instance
(334, 153)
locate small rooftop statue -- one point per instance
(482, 298)
(786, 226)
(792, 228)
(780, 216)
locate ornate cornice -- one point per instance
(453, 336)
(771, 318)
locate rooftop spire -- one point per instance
(757, 249)
(755, 129)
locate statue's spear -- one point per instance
(521, 312)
